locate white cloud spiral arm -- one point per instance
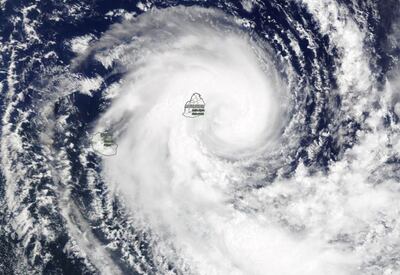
(180, 174)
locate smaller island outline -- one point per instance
(112, 145)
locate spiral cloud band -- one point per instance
(182, 174)
(185, 165)
(169, 59)
(288, 165)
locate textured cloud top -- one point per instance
(254, 137)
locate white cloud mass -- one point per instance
(182, 177)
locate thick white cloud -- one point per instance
(180, 175)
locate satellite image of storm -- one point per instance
(200, 137)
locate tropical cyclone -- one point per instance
(233, 70)
(293, 169)
(168, 167)
(202, 172)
